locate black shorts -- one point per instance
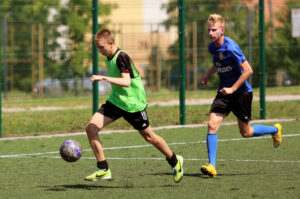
(239, 103)
(139, 120)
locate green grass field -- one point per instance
(66, 121)
(247, 168)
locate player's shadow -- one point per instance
(239, 174)
(197, 175)
(78, 186)
(170, 174)
(66, 187)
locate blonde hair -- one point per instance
(216, 18)
(105, 34)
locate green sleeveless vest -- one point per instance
(131, 99)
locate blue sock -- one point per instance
(212, 145)
(260, 130)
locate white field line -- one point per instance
(143, 146)
(154, 128)
(186, 159)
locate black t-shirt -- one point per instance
(123, 63)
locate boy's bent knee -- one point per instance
(92, 129)
(212, 127)
(245, 134)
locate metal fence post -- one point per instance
(0, 75)
(95, 56)
(262, 59)
(182, 67)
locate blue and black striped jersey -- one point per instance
(227, 59)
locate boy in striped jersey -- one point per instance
(234, 92)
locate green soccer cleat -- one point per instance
(209, 169)
(99, 175)
(277, 139)
(177, 171)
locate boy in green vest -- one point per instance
(127, 100)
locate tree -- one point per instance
(198, 11)
(74, 16)
(25, 15)
(283, 51)
(77, 16)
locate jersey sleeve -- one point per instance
(123, 63)
(238, 54)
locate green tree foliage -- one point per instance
(242, 25)
(77, 16)
(198, 11)
(67, 23)
(283, 51)
(23, 15)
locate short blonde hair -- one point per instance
(105, 34)
(216, 18)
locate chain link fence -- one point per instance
(47, 45)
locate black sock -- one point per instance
(102, 165)
(173, 161)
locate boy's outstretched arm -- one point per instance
(125, 80)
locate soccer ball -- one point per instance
(70, 150)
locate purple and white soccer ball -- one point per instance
(70, 150)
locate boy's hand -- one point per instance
(204, 79)
(97, 78)
(93, 78)
(226, 91)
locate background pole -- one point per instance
(182, 67)
(0, 73)
(262, 59)
(95, 57)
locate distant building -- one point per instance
(137, 32)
